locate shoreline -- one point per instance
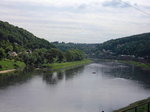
(141, 65)
(7, 71)
(8, 65)
(66, 65)
(141, 104)
(55, 66)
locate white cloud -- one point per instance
(77, 20)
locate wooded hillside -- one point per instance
(137, 45)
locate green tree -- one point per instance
(54, 55)
(74, 55)
(2, 53)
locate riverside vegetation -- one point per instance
(142, 106)
(19, 47)
(11, 64)
(136, 46)
(56, 66)
(145, 66)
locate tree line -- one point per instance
(137, 45)
(42, 56)
(87, 48)
(19, 44)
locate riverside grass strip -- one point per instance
(56, 66)
(10, 64)
(139, 106)
(138, 64)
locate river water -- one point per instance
(95, 87)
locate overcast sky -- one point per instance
(82, 21)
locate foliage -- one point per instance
(13, 38)
(141, 106)
(11, 64)
(137, 45)
(42, 56)
(54, 55)
(22, 37)
(74, 55)
(87, 48)
(55, 66)
(138, 64)
(2, 53)
(19, 44)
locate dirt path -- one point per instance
(7, 71)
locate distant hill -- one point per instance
(87, 48)
(137, 45)
(15, 36)
(20, 45)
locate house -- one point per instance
(12, 54)
(29, 52)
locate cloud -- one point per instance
(116, 4)
(76, 20)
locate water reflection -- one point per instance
(54, 77)
(14, 78)
(107, 68)
(91, 88)
(126, 71)
(71, 73)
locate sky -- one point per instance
(78, 21)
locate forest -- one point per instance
(137, 46)
(20, 45)
(87, 48)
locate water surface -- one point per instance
(91, 88)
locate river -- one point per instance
(103, 85)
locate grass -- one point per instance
(138, 64)
(56, 66)
(11, 64)
(142, 106)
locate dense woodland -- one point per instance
(135, 46)
(20, 45)
(87, 48)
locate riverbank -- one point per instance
(7, 71)
(141, 105)
(144, 66)
(57, 66)
(7, 66)
(137, 64)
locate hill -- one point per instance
(12, 37)
(87, 48)
(136, 45)
(19, 45)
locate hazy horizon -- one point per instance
(78, 21)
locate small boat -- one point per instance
(94, 72)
